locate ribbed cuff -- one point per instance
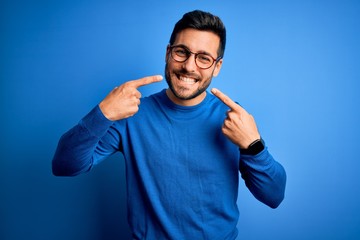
(262, 158)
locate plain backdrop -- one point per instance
(295, 65)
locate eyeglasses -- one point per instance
(202, 60)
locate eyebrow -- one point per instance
(202, 51)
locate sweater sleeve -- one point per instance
(84, 145)
(265, 177)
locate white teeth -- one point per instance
(187, 80)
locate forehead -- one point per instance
(198, 41)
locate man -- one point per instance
(183, 147)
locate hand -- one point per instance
(239, 126)
(123, 101)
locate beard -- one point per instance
(182, 92)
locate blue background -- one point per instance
(295, 65)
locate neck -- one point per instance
(183, 102)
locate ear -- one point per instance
(167, 55)
(217, 67)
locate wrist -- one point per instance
(102, 107)
(254, 148)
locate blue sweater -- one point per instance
(182, 172)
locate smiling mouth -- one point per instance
(186, 80)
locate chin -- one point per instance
(184, 92)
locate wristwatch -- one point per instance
(254, 148)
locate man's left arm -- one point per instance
(265, 177)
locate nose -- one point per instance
(190, 64)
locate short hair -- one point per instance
(203, 21)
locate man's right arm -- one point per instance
(92, 139)
(84, 145)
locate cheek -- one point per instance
(173, 67)
(169, 71)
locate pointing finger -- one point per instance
(145, 81)
(225, 99)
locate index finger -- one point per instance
(146, 80)
(225, 99)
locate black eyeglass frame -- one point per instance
(196, 54)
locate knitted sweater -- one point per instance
(182, 173)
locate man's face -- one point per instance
(187, 82)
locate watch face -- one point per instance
(254, 148)
(258, 147)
